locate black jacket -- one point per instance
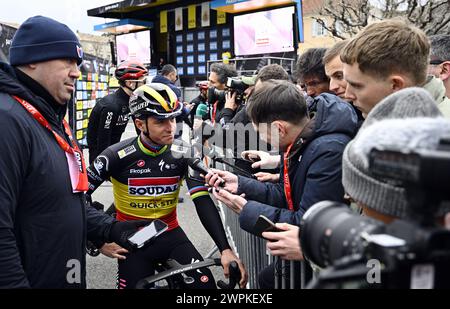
(43, 224)
(107, 122)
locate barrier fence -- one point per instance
(252, 251)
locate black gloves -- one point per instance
(120, 232)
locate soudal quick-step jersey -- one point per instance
(146, 183)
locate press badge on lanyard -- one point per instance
(75, 161)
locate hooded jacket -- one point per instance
(315, 167)
(437, 90)
(43, 224)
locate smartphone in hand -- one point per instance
(264, 225)
(148, 233)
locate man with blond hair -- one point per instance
(384, 58)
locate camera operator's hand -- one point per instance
(261, 159)
(221, 179)
(285, 244)
(120, 232)
(114, 251)
(231, 101)
(267, 177)
(227, 257)
(235, 202)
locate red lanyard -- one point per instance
(79, 181)
(213, 120)
(287, 180)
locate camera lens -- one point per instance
(331, 231)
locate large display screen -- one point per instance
(134, 46)
(264, 32)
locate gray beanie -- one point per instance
(406, 103)
(402, 134)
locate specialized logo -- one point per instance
(163, 165)
(101, 164)
(153, 187)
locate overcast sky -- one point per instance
(71, 12)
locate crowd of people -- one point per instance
(295, 141)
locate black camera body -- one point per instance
(234, 85)
(237, 85)
(409, 253)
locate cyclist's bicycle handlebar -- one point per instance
(176, 269)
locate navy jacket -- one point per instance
(315, 167)
(163, 80)
(43, 225)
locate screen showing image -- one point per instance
(201, 58)
(226, 44)
(190, 59)
(264, 32)
(179, 49)
(202, 69)
(134, 46)
(213, 46)
(179, 60)
(190, 71)
(190, 48)
(190, 37)
(213, 34)
(201, 35)
(180, 71)
(179, 38)
(201, 47)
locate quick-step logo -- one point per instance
(153, 187)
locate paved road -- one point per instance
(102, 271)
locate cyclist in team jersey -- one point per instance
(147, 178)
(109, 118)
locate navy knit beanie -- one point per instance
(42, 39)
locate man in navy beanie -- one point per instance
(44, 218)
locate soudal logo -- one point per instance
(141, 163)
(153, 186)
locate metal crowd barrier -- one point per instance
(252, 251)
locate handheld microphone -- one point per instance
(197, 165)
(202, 110)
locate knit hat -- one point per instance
(358, 182)
(42, 39)
(402, 134)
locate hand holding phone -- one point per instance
(265, 225)
(148, 233)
